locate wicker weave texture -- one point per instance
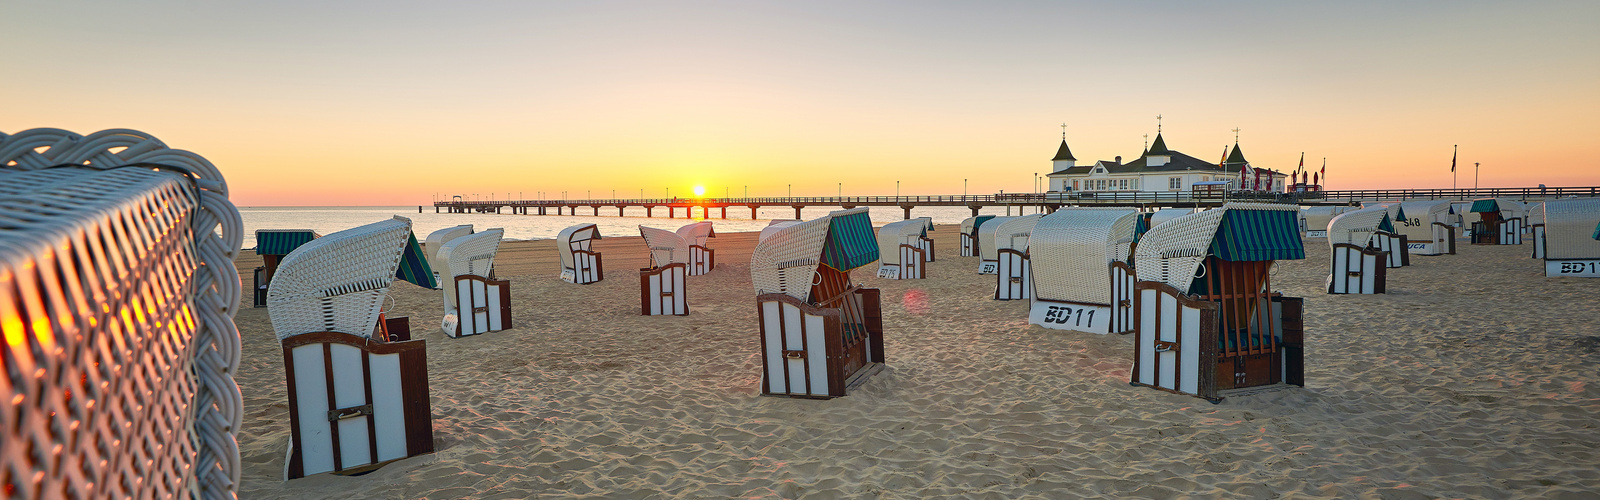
(1317, 218)
(666, 247)
(893, 234)
(1356, 226)
(117, 297)
(1171, 252)
(986, 232)
(1569, 226)
(786, 260)
(337, 283)
(1012, 234)
(1073, 248)
(697, 233)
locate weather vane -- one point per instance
(1158, 124)
(1063, 131)
(1236, 135)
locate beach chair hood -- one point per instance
(1013, 234)
(1572, 228)
(347, 273)
(575, 234)
(1173, 251)
(986, 231)
(1356, 226)
(666, 247)
(696, 233)
(437, 239)
(1071, 249)
(893, 234)
(787, 259)
(773, 227)
(1167, 214)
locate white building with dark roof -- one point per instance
(1158, 169)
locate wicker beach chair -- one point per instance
(1358, 264)
(356, 402)
(271, 246)
(773, 227)
(1499, 221)
(1166, 214)
(924, 242)
(1206, 318)
(1317, 218)
(1082, 279)
(663, 287)
(969, 234)
(1013, 271)
(1571, 237)
(1536, 228)
(579, 262)
(902, 253)
(1424, 226)
(988, 255)
(821, 335)
(702, 259)
(435, 241)
(478, 303)
(117, 297)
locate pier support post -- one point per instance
(647, 210)
(797, 211)
(752, 212)
(908, 211)
(595, 210)
(974, 210)
(435, 209)
(619, 210)
(670, 211)
(724, 213)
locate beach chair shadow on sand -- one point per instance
(1206, 319)
(356, 402)
(821, 335)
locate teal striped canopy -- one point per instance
(277, 242)
(1485, 206)
(851, 242)
(1257, 235)
(1399, 212)
(979, 223)
(1597, 231)
(414, 265)
(1386, 224)
(1141, 225)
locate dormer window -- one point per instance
(1100, 170)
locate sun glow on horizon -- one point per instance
(699, 191)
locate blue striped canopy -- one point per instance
(1257, 235)
(414, 265)
(851, 242)
(278, 242)
(1485, 206)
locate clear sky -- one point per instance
(372, 103)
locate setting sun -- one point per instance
(699, 190)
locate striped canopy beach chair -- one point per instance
(1013, 271)
(117, 297)
(969, 234)
(1082, 280)
(901, 250)
(356, 402)
(821, 335)
(271, 246)
(1206, 318)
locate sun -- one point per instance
(699, 190)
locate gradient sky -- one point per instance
(380, 103)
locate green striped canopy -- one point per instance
(1485, 206)
(1399, 212)
(851, 242)
(1386, 224)
(279, 242)
(1597, 231)
(979, 223)
(414, 265)
(1257, 235)
(1140, 225)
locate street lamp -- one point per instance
(897, 189)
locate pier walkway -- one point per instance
(1046, 201)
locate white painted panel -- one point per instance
(1369, 277)
(349, 389)
(817, 354)
(1169, 333)
(1337, 272)
(1071, 317)
(679, 296)
(654, 282)
(464, 309)
(492, 294)
(1586, 268)
(1189, 352)
(311, 401)
(770, 321)
(1147, 335)
(888, 271)
(794, 323)
(988, 267)
(388, 406)
(1317, 234)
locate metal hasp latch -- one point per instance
(351, 412)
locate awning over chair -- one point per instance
(1597, 231)
(1140, 226)
(1485, 206)
(851, 242)
(1400, 212)
(1386, 224)
(281, 242)
(414, 265)
(1257, 235)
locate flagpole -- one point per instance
(1455, 149)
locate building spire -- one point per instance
(1063, 152)
(1236, 135)
(1158, 125)
(1063, 131)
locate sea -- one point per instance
(326, 220)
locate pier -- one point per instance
(1048, 202)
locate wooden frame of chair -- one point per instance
(1358, 270)
(1538, 241)
(588, 268)
(1444, 236)
(482, 305)
(355, 403)
(807, 351)
(663, 290)
(1013, 276)
(926, 244)
(913, 262)
(1392, 244)
(701, 260)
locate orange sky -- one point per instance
(389, 104)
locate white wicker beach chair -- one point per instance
(1424, 227)
(433, 243)
(355, 401)
(1081, 277)
(1166, 214)
(902, 255)
(1357, 265)
(773, 227)
(702, 259)
(988, 255)
(820, 334)
(1316, 219)
(478, 303)
(1572, 238)
(1204, 305)
(924, 242)
(663, 287)
(969, 234)
(579, 262)
(1013, 272)
(117, 287)
(1535, 227)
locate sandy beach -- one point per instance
(1474, 377)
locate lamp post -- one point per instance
(897, 190)
(1475, 175)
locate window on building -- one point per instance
(1174, 183)
(1074, 184)
(1205, 178)
(1102, 184)
(1123, 183)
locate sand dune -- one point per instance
(1474, 377)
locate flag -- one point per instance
(1302, 166)
(1453, 160)
(1314, 179)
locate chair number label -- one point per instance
(1062, 315)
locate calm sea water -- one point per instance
(325, 220)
